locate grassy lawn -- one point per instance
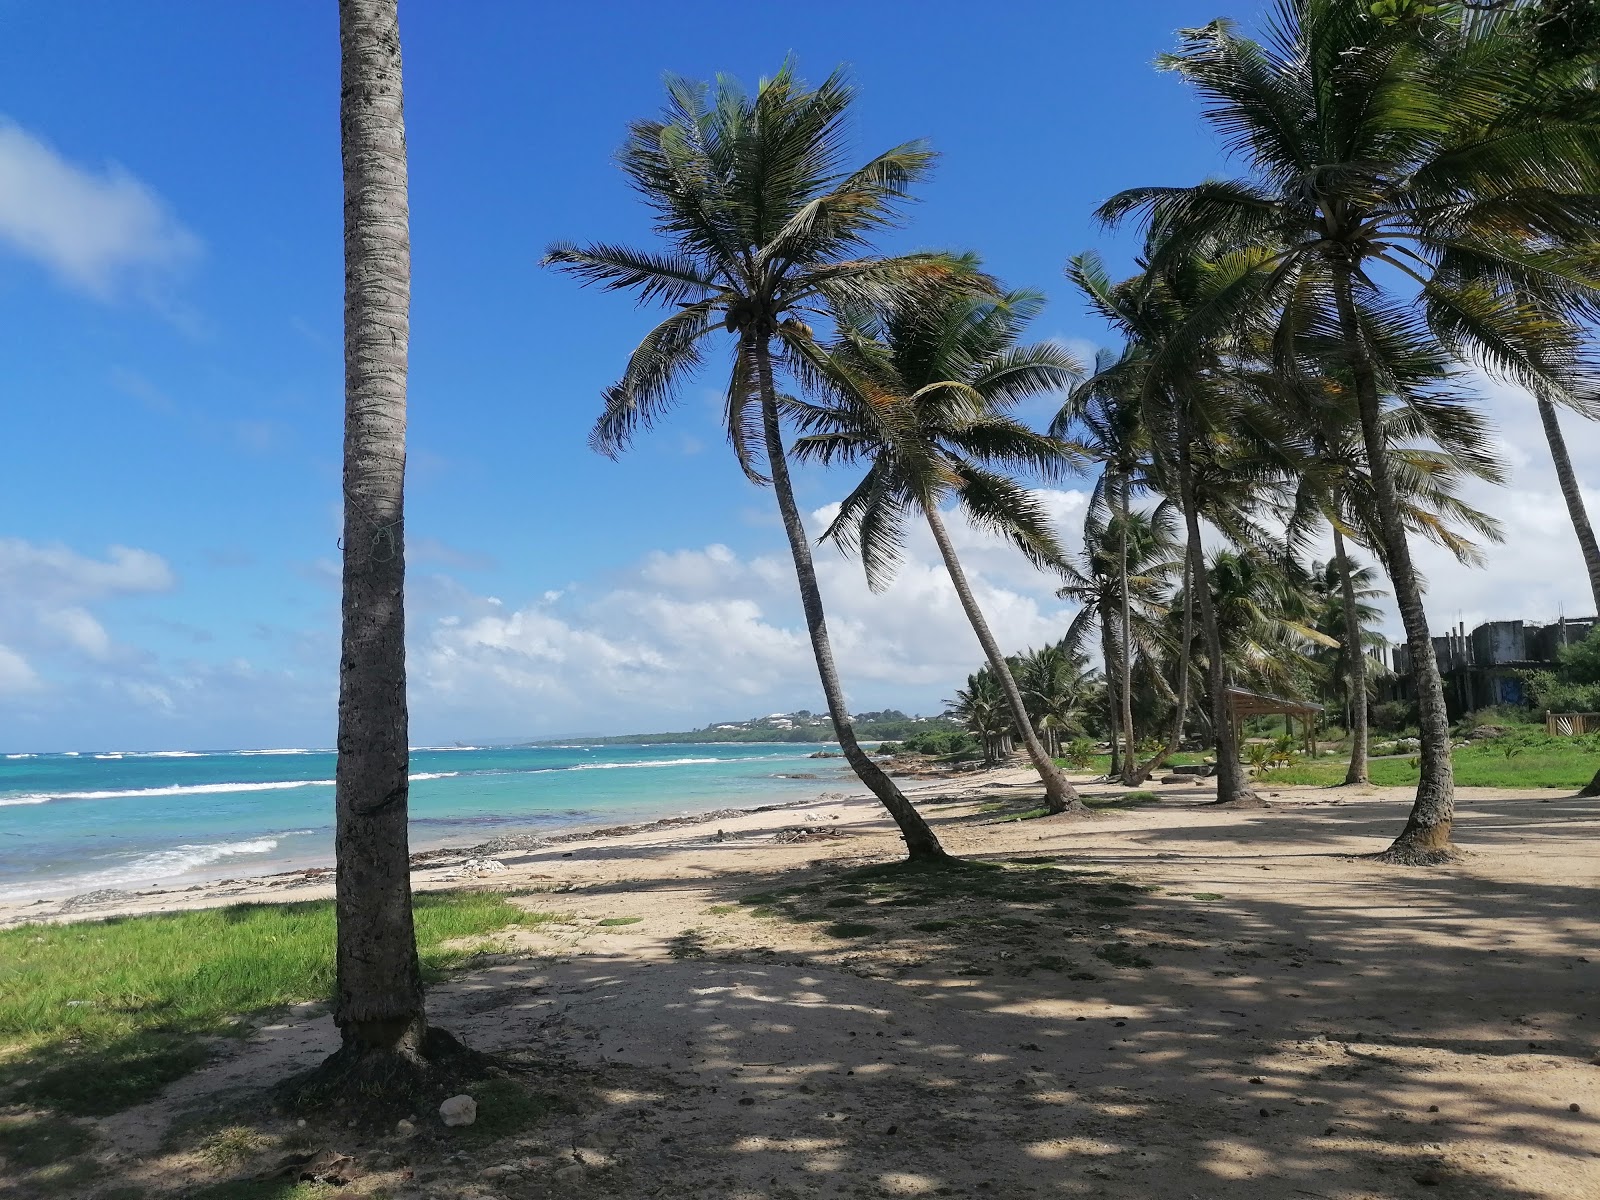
(100, 1015)
(1559, 764)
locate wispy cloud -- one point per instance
(100, 231)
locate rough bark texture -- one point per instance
(1425, 840)
(1356, 660)
(921, 844)
(1108, 651)
(1060, 796)
(1175, 738)
(1130, 759)
(1594, 787)
(1231, 786)
(1573, 496)
(378, 1003)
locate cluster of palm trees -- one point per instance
(1421, 193)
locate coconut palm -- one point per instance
(1214, 443)
(922, 393)
(766, 229)
(982, 707)
(1369, 147)
(1054, 682)
(1119, 579)
(1334, 488)
(378, 999)
(1103, 417)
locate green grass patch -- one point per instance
(613, 922)
(1565, 763)
(100, 1015)
(262, 1189)
(1030, 814)
(1207, 896)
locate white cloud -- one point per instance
(46, 593)
(16, 675)
(689, 635)
(1537, 573)
(101, 232)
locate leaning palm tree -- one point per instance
(1369, 147)
(765, 230)
(922, 393)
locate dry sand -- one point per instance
(1309, 1024)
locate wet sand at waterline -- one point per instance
(1192, 1002)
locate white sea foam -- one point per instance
(657, 762)
(187, 789)
(434, 775)
(108, 756)
(292, 750)
(168, 754)
(159, 864)
(7, 801)
(19, 756)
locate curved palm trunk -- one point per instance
(1425, 840)
(1573, 496)
(1356, 667)
(1231, 786)
(1060, 796)
(921, 843)
(378, 1004)
(1594, 787)
(1185, 651)
(1130, 773)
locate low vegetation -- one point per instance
(99, 1015)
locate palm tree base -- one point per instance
(1593, 789)
(1421, 848)
(1358, 781)
(1241, 799)
(372, 1082)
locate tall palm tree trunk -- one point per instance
(1425, 840)
(921, 843)
(1231, 786)
(1185, 652)
(1108, 651)
(1130, 775)
(1355, 667)
(378, 994)
(1573, 496)
(1060, 796)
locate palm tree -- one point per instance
(921, 391)
(1369, 146)
(1118, 580)
(983, 708)
(1054, 681)
(1104, 417)
(1344, 592)
(1553, 50)
(1211, 439)
(765, 230)
(378, 1002)
(1334, 488)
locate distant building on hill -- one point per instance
(1483, 668)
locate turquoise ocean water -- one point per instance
(82, 822)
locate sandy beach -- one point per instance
(1264, 1013)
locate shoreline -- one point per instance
(433, 866)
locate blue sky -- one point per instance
(170, 284)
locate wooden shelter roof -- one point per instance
(1245, 703)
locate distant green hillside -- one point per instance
(802, 726)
